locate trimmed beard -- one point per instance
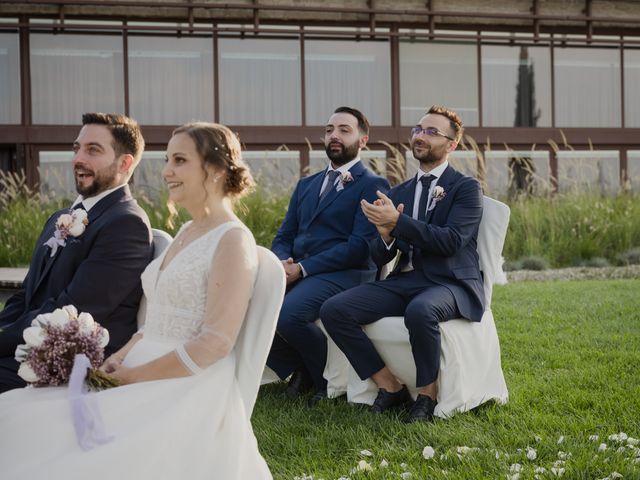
(346, 154)
(103, 180)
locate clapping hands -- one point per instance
(383, 214)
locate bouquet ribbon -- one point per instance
(85, 412)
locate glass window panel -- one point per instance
(74, 74)
(356, 74)
(170, 80)
(516, 86)
(587, 90)
(56, 174)
(631, 90)
(438, 74)
(589, 171)
(633, 165)
(9, 78)
(259, 81)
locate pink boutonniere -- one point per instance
(438, 194)
(345, 177)
(67, 225)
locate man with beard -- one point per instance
(432, 221)
(323, 245)
(90, 256)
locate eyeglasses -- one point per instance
(431, 131)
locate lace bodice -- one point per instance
(177, 295)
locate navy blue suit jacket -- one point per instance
(447, 239)
(97, 272)
(331, 238)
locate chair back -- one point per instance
(256, 335)
(160, 241)
(491, 236)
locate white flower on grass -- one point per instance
(384, 463)
(363, 465)
(618, 437)
(515, 468)
(602, 447)
(403, 465)
(531, 453)
(559, 463)
(497, 455)
(632, 441)
(621, 450)
(540, 470)
(563, 455)
(560, 439)
(33, 336)
(26, 373)
(557, 472)
(615, 475)
(515, 476)
(405, 475)
(594, 438)
(636, 461)
(428, 452)
(344, 478)
(465, 450)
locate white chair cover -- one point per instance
(256, 335)
(470, 366)
(160, 241)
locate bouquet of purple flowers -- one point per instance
(52, 342)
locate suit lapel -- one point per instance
(356, 172)
(445, 181)
(95, 212)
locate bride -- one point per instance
(179, 411)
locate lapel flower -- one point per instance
(438, 194)
(345, 177)
(68, 225)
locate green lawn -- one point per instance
(571, 358)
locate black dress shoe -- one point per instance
(422, 410)
(386, 400)
(317, 397)
(299, 383)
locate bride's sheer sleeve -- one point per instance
(229, 290)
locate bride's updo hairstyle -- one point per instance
(219, 147)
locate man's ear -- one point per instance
(126, 163)
(452, 146)
(363, 141)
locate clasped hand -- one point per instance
(292, 269)
(383, 214)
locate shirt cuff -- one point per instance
(304, 272)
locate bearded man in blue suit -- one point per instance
(431, 222)
(323, 244)
(96, 269)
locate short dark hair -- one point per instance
(127, 137)
(363, 123)
(455, 122)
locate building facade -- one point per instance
(553, 85)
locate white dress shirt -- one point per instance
(89, 202)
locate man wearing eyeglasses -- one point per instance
(432, 222)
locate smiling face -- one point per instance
(432, 150)
(95, 165)
(342, 139)
(184, 173)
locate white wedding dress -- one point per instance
(192, 427)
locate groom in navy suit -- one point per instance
(431, 222)
(97, 271)
(323, 245)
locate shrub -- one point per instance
(630, 257)
(534, 263)
(596, 262)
